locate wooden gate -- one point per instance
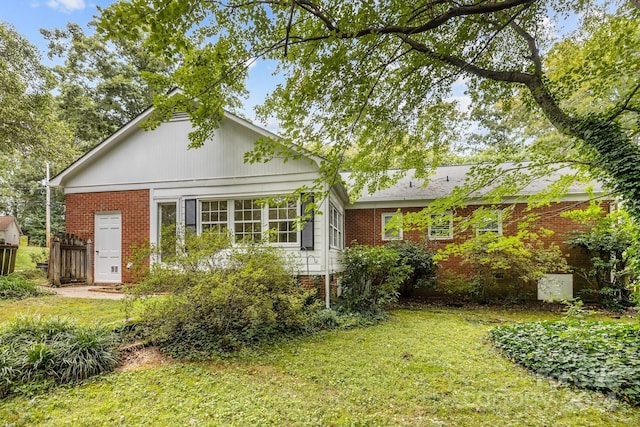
(7, 258)
(70, 260)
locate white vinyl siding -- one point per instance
(336, 227)
(387, 232)
(441, 226)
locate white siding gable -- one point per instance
(160, 156)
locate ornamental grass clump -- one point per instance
(36, 353)
(15, 286)
(594, 355)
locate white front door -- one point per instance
(108, 247)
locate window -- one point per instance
(441, 226)
(490, 223)
(282, 222)
(335, 227)
(390, 233)
(167, 231)
(213, 215)
(247, 220)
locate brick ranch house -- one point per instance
(125, 189)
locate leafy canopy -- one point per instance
(378, 75)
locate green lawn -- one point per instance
(428, 367)
(82, 310)
(23, 257)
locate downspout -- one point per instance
(327, 274)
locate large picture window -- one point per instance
(282, 222)
(390, 233)
(247, 220)
(441, 226)
(336, 227)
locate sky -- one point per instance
(29, 16)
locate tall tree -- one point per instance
(375, 74)
(28, 118)
(100, 84)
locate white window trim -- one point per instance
(264, 218)
(391, 237)
(339, 227)
(498, 213)
(449, 236)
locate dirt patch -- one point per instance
(143, 358)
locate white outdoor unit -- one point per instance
(555, 287)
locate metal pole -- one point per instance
(48, 211)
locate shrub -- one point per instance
(246, 297)
(505, 265)
(371, 277)
(15, 286)
(37, 353)
(594, 355)
(423, 266)
(607, 240)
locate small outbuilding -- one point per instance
(9, 231)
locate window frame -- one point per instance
(449, 235)
(231, 222)
(498, 231)
(389, 238)
(202, 223)
(336, 231)
(160, 204)
(292, 228)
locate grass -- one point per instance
(428, 366)
(23, 257)
(85, 311)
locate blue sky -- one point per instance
(29, 16)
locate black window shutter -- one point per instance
(306, 234)
(190, 214)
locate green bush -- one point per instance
(594, 355)
(503, 266)
(248, 295)
(36, 353)
(15, 286)
(371, 277)
(423, 266)
(608, 241)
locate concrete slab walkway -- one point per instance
(86, 292)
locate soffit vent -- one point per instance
(178, 117)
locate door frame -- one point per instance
(96, 246)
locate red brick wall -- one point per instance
(365, 227)
(133, 205)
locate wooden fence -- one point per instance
(70, 260)
(7, 258)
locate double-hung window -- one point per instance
(390, 233)
(491, 222)
(214, 215)
(282, 221)
(247, 220)
(336, 227)
(441, 226)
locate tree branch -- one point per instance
(624, 105)
(533, 47)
